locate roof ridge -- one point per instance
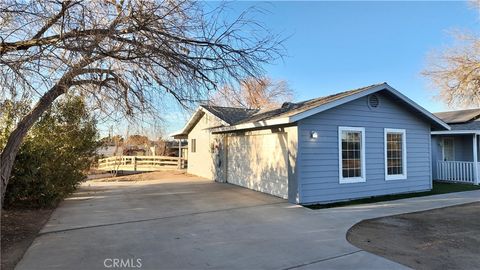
(343, 92)
(226, 107)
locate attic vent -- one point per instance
(373, 101)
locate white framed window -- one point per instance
(395, 154)
(351, 156)
(448, 149)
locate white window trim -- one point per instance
(443, 147)
(348, 180)
(404, 154)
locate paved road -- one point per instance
(197, 224)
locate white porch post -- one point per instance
(475, 160)
(179, 153)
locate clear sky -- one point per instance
(336, 46)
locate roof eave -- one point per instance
(304, 114)
(193, 120)
(375, 89)
(253, 125)
(455, 132)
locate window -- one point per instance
(351, 145)
(395, 154)
(448, 151)
(193, 146)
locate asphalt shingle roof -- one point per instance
(231, 115)
(458, 117)
(235, 116)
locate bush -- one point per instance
(54, 157)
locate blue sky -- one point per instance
(336, 46)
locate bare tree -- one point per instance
(122, 54)
(253, 93)
(455, 71)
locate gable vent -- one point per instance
(373, 101)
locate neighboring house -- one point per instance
(455, 152)
(359, 143)
(109, 150)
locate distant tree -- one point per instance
(137, 139)
(253, 93)
(121, 55)
(455, 71)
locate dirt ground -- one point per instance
(445, 238)
(19, 229)
(147, 176)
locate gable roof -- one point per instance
(226, 115)
(293, 112)
(289, 109)
(230, 115)
(460, 116)
(240, 119)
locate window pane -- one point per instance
(351, 153)
(394, 153)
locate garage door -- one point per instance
(259, 162)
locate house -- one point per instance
(455, 151)
(359, 143)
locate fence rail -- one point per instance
(141, 163)
(458, 171)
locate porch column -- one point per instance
(475, 160)
(179, 153)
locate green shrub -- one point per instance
(54, 157)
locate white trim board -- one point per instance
(453, 132)
(194, 119)
(350, 180)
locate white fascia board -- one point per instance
(194, 118)
(266, 123)
(178, 132)
(418, 107)
(453, 132)
(190, 121)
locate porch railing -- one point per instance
(458, 171)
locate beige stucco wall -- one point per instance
(201, 162)
(264, 160)
(263, 163)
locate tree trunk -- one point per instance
(7, 157)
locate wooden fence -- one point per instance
(141, 163)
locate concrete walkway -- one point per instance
(197, 224)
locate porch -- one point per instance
(455, 156)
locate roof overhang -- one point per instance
(196, 116)
(304, 114)
(456, 132)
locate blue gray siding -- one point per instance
(318, 159)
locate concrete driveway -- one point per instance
(198, 224)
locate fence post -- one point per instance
(134, 161)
